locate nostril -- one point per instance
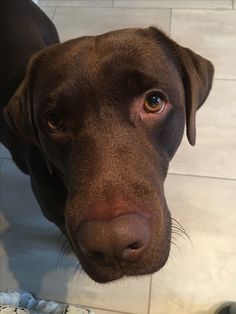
(134, 246)
(132, 251)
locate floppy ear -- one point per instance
(20, 117)
(197, 75)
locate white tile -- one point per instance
(76, 22)
(203, 275)
(185, 4)
(49, 11)
(215, 150)
(210, 33)
(219, 109)
(77, 3)
(4, 153)
(214, 154)
(127, 295)
(29, 252)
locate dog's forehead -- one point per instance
(124, 63)
(135, 48)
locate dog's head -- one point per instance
(108, 113)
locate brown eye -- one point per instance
(54, 123)
(154, 102)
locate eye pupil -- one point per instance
(154, 100)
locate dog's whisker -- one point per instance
(77, 270)
(180, 228)
(177, 247)
(171, 257)
(179, 234)
(64, 251)
(80, 272)
(75, 259)
(179, 224)
(173, 238)
(176, 221)
(61, 237)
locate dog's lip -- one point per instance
(106, 274)
(109, 273)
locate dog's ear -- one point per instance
(20, 116)
(197, 75)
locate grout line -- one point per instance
(170, 24)
(201, 176)
(143, 8)
(150, 295)
(107, 310)
(224, 79)
(103, 7)
(76, 6)
(135, 8)
(127, 7)
(204, 9)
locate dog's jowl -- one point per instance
(94, 122)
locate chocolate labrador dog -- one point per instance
(94, 122)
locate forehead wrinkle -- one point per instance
(143, 62)
(65, 88)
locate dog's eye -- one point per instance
(54, 123)
(154, 102)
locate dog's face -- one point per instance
(108, 114)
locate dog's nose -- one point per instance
(122, 239)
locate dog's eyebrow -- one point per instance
(136, 82)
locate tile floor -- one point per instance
(200, 188)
